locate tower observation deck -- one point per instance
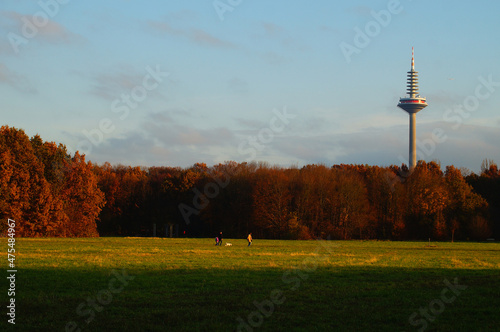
(412, 104)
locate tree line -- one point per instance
(52, 193)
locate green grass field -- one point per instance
(132, 284)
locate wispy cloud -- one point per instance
(197, 36)
(109, 85)
(282, 36)
(273, 35)
(16, 81)
(114, 82)
(49, 32)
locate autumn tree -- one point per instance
(82, 198)
(272, 202)
(464, 204)
(26, 195)
(161, 207)
(427, 198)
(230, 202)
(351, 205)
(184, 189)
(386, 195)
(313, 196)
(109, 183)
(54, 158)
(487, 184)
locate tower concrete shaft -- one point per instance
(413, 140)
(412, 104)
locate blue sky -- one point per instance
(172, 83)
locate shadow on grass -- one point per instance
(268, 299)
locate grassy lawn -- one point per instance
(138, 284)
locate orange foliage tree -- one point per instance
(26, 196)
(82, 198)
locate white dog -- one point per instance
(228, 244)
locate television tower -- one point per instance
(412, 104)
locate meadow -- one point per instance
(155, 284)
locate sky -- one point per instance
(173, 83)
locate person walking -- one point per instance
(220, 239)
(249, 239)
